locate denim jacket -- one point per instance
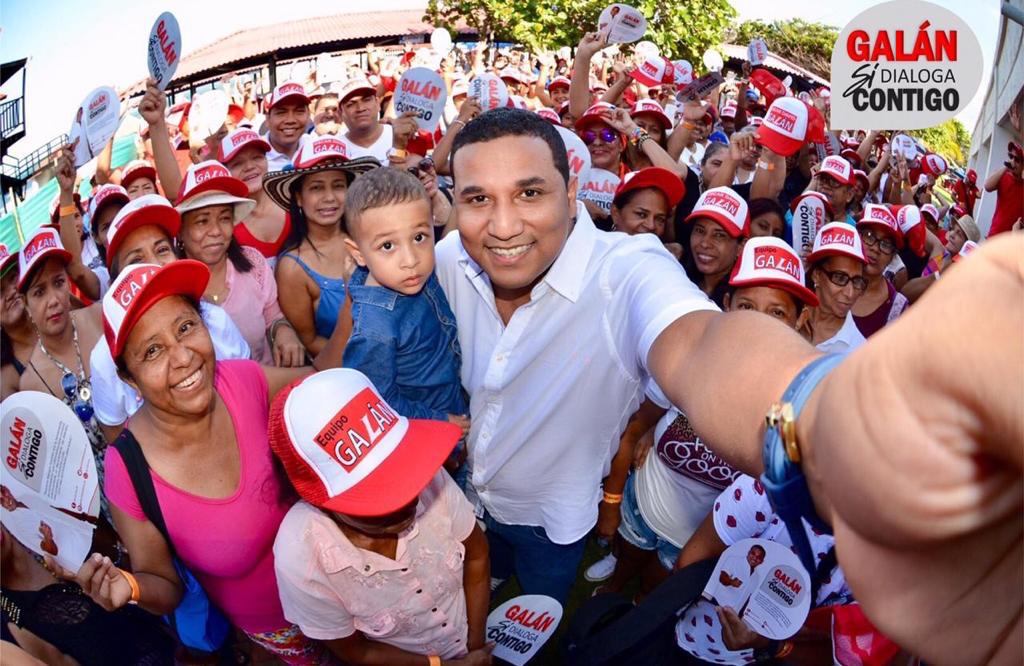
(408, 347)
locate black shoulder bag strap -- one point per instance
(138, 471)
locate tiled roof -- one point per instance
(774, 61)
(281, 37)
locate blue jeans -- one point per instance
(635, 530)
(542, 566)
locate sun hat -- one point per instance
(145, 210)
(837, 239)
(139, 286)
(725, 207)
(45, 243)
(210, 183)
(322, 153)
(346, 450)
(767, 261)
(969, 227)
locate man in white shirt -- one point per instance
(561, 325)
(360, 113)
(287, 120)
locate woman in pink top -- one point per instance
(203, 430)
(211, 202)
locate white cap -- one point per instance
(837, 239)
(784, 127)
(771, 262)
(725, 207)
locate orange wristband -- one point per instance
(784, 650)
(68, 210)
(134, 584)
(433, 660)
(612, 498)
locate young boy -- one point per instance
(403, 334)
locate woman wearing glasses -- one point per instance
(880, 303)
(57, 365)
(836, 271)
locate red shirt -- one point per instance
(269, 250)
(1009, 203)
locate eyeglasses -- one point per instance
(607, 134)
(870, 238)
(841, 279)
(78, 393)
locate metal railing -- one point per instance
(12, 117)
(25, 167)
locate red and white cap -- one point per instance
(6, 258)
(968, 247)
(859, 175)
(931, 211)
(729, 109)
(515, 74)
(654, 71)
(724, 206)
(346, 450)
(878, 215)
(650, 107)
(353, 86)
(104, 195)
(45, 243)
(238, 140)
(287, 90)
(767, 261)
(837, 239)
(210, 183)
(768, 85)
(594, 114)
(550, 115)
(559, 82)
(755, 121)
(314, 150)
(145, 210)
(908, 217)
(658, 178)
(518, 102)
(137, 169)
(934, 165)
(784, 128)
(140, 286)
(838, 168)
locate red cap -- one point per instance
(594, 115)
(851, 156)
(239, 139)
(784, 128)
(725, 207)
(6, 258)
(559, 82)
(43, 245)
(931, 211)
(837, 167)
(550, 115)
(104, 195)
(209, 176)
(933, 165)
(139, 287)
(878, 215)
(660, 179)
(968, 247)
(767, 261)
(912, 227)
(651, 108)
(287, 90)
(147, 209)
(863, 177)
(768, 85)
(137, 169)
(654, 71)
(346, 450)
(353, 86)
(972, 176)
(837, 239)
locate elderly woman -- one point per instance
(202, 430)
(211, 203)
(315, 264)
(880, 303)
(143, 232)
(836, 271)
(244, 153)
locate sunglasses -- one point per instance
(78, 393)
(841, 279)
(870, 238)
(607, 134)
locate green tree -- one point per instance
(680, 29)
(806, 44)
(950, 139)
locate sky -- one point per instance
(73, 50)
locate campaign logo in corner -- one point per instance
(908, 64)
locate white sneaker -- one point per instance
(601, 570)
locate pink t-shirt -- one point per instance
(415, 602)
(252, 304)
(226, 543)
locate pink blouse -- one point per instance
(252, 303)
(227, 543)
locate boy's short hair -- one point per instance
(378, 188)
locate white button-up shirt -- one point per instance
(552, 391)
